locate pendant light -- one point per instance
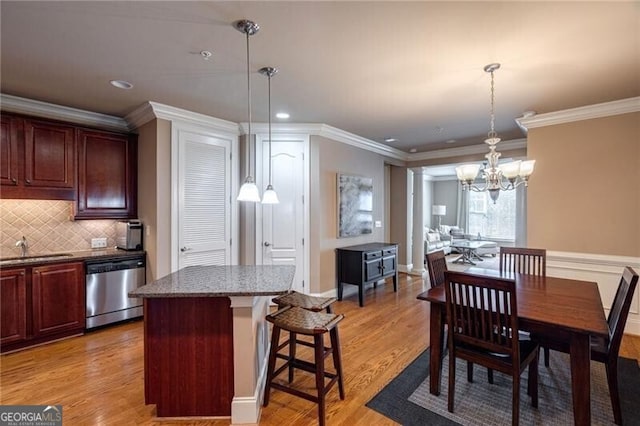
(248, 190)
(269, 196)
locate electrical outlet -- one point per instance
(98, 242)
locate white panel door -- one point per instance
(204, 213)
(283, 223)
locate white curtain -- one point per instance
(462, 218)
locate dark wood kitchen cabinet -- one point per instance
(365, 264)
(38, 159)
(13, 300)
(58, 298)
(41, 303)
(107, 175)
(9, 152)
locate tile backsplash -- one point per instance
(49, 227)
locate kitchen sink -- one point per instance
(35, 257)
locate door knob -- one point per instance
(183, 249)
(267, 244)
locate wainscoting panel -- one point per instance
(606, 270)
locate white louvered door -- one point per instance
(204, 215)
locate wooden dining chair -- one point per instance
(606, 351)
(525, 261)
(479, 309)
(437, 265)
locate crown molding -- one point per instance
(282, 128)
(605, 109)
(466, 150)
(332, 133)
(35, 108)
(152, 110)
(360, 142)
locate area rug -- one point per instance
(406, 399)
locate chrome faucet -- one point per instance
(24, 246)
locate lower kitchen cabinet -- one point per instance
(41, 303)
(57, 298)
(13, 300)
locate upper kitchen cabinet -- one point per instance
(107, 175)
(37, 159)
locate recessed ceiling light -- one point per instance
(282, 115)
(413, 150)
(389, 140)
(121, 84)
(450, 141)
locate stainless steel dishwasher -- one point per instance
(108, 284)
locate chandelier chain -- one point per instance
(492, 132)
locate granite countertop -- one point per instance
(69, 256)
(220, 281)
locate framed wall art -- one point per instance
(355, 205)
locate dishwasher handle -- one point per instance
(114, 265)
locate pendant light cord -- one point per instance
(249, 108)
(269, 110)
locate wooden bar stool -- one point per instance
(309, 323)
(304, 301)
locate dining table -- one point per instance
(560, 309)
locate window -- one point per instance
(493, 221)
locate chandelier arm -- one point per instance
(521, 182)
(476, 188)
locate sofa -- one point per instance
(435, 240)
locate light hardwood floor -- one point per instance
(98, 378)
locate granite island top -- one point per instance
(221, 281)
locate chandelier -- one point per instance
(504, 177)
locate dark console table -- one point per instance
(365, 264)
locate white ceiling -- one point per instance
(408, 70)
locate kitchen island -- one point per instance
(206, 339)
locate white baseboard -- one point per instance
(405, 268)
(246, 409)
(606, 270)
